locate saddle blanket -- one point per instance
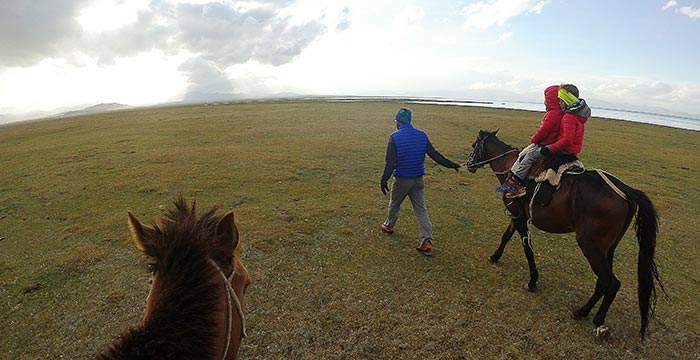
(554, 177)
(543, 186)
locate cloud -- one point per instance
(205, 79)
(505, 36)
(690, 12)
(344, 21)
(485, 85)
(670, 4)
(485, 14)
(407, 19)
(226, 36)
(650, 88)
(33, 30)
(215, 35)
(105, 15)
(537, 9)
(648, 92)
(144, 34)
(685, 10)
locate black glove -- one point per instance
(456, 167)
(544, 151)
(384, 186)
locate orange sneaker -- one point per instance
(387, 229)
(512, 188)
(426, 247)
(519, 191)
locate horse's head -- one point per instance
(481, 153)
(197, 273)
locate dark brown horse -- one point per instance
(599, 215)
(195, 307)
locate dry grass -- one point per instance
(83, 256)
(303, 178)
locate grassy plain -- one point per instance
(303, 179)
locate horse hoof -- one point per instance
(575, 315)
(529, 288)
(602, 333)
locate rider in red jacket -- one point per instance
(576, 113)
(549, 128)
(568, 138)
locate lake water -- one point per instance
(680, 122)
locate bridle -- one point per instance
(230, 295)
(478, 149)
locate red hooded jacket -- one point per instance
(549, 128)
(570, 137)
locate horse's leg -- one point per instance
(597, 294)
(601, 265)
(521, 226)
(609, 292)
(507, 235)
(586, 309)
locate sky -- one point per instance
(57, 54)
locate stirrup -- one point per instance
(516, 194)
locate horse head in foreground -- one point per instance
(195, 306)
(594, 205)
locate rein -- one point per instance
(482, 163)
(230, 295)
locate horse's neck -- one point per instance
(501, 166)
(162, 332)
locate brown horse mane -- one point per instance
(188, 303)
(493, 136)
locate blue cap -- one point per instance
(403, 116)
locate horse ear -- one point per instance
(142, 234)
(227, 233)
(495, 132)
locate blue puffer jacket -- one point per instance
(411, 145)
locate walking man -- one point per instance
(405, 159)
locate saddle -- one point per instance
(545, 176)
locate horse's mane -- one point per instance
(184, 322)
(498, 141)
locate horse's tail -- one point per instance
(647, 228)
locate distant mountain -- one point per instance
(198, 97)
(104, 107)
(62, 112)
(8, 118)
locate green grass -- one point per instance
(303, 180)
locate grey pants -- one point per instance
(526, 158)
(413, 188)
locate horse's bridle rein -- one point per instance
(479, 147)
(230, 295)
